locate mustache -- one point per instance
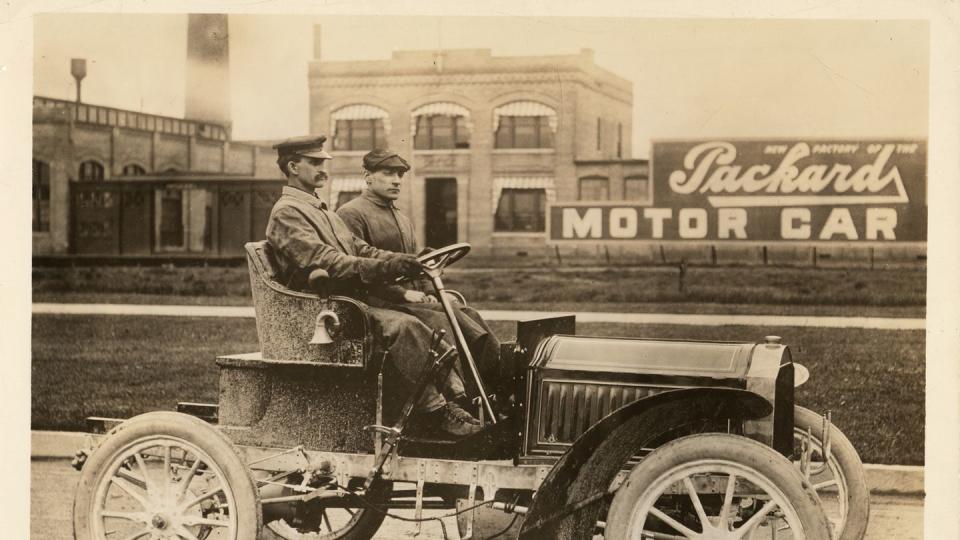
(322, 175)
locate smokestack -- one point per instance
(208, 69)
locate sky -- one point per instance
(692, 78)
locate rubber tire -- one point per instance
(365, 528)
(186, 427)
(846, 457)
(734, 448)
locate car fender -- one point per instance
(566, 505)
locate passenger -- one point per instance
(374, 217)
(308, 238)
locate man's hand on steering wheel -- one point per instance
(403, 265)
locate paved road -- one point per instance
(880, 323)
(53, 483)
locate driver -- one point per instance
(374, 217)
(312, 242)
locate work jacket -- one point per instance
(306, 236)
(380, 223)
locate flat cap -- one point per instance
(308, 146)
(381, 158)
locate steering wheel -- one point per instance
(445, 256)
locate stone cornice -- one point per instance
(320, 81)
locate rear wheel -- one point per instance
(166, 475)
(840, 481)
(715, 486)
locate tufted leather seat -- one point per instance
(286, 319)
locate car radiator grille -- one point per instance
(569, 408)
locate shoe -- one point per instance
(456, 421)
(460, 409)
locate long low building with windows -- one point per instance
(111, 182)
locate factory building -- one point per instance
(491, 139)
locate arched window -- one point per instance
(41, 196)
(359, 127)
(441, 126)
(524, 124)
(594, 188)
(133, 170)
(519, 203)
(344, 190)
(91, 171)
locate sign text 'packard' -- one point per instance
(782, 191)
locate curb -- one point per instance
(882, 479)
(171, 310)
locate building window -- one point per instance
(91, 171)
(345, 189)
(635, 188)
(133, 170)
(521, 210)
(440, 125)
(524, 132)
(365, 134)
(524, 124)
(594, 188)
(171, 218)
(41, 196)
(359, 127)
(441, 132)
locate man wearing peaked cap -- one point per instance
(382, 159)
(308, 145)
(315, 251)
(374, 217)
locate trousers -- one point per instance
(405, 331)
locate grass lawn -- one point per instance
(120, 366)
(898, 292)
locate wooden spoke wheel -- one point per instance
(715, 487)
(166, 475)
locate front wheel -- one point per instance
(715, 486)
(166, 475)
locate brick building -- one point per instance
(490, 139)
(111, 181)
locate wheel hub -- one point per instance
(159, 522)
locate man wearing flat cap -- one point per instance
(374, 217)
(311, 242)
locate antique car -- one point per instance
(603, 437)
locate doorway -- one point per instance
(441, 212)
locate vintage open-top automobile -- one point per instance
(609, 437)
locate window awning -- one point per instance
(523, 182)
(339, 185)
(525, 108)
(359, 111)
(445, 108)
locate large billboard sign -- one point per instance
(765, 191)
